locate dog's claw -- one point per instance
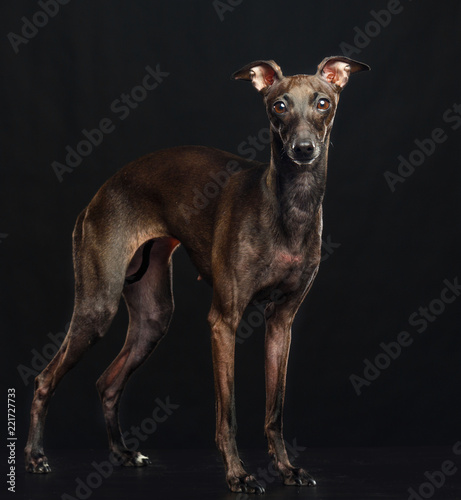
(44, 468)
(310, 482)
(245, 484)
(142, 460)
(258, 490)
(133, 459)
(39, 467)
(299, 477)
(138, 460)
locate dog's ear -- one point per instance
(262, 74)
(336, 70)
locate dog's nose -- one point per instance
(303, 150)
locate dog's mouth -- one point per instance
(304, 162)
(301, 160)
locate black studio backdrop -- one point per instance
(391, 212)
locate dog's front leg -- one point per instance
(279, 319)
(223, 329)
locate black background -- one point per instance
(396, 248)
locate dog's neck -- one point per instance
(298, 190)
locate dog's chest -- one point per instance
(288, 259)
(286, 269)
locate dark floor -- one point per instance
(358, 474)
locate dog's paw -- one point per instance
(133, 459)
(245, 484)
(37, 465)
(298, 477)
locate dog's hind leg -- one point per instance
(150, 306)
(98, 287)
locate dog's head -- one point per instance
(301, 108)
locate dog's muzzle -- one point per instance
(303, 152)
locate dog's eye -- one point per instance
(323, 104)
(280, 107)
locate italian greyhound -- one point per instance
(255, 236)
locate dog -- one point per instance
(258, 238)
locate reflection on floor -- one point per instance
(355, 474)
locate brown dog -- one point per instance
(259, 237)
